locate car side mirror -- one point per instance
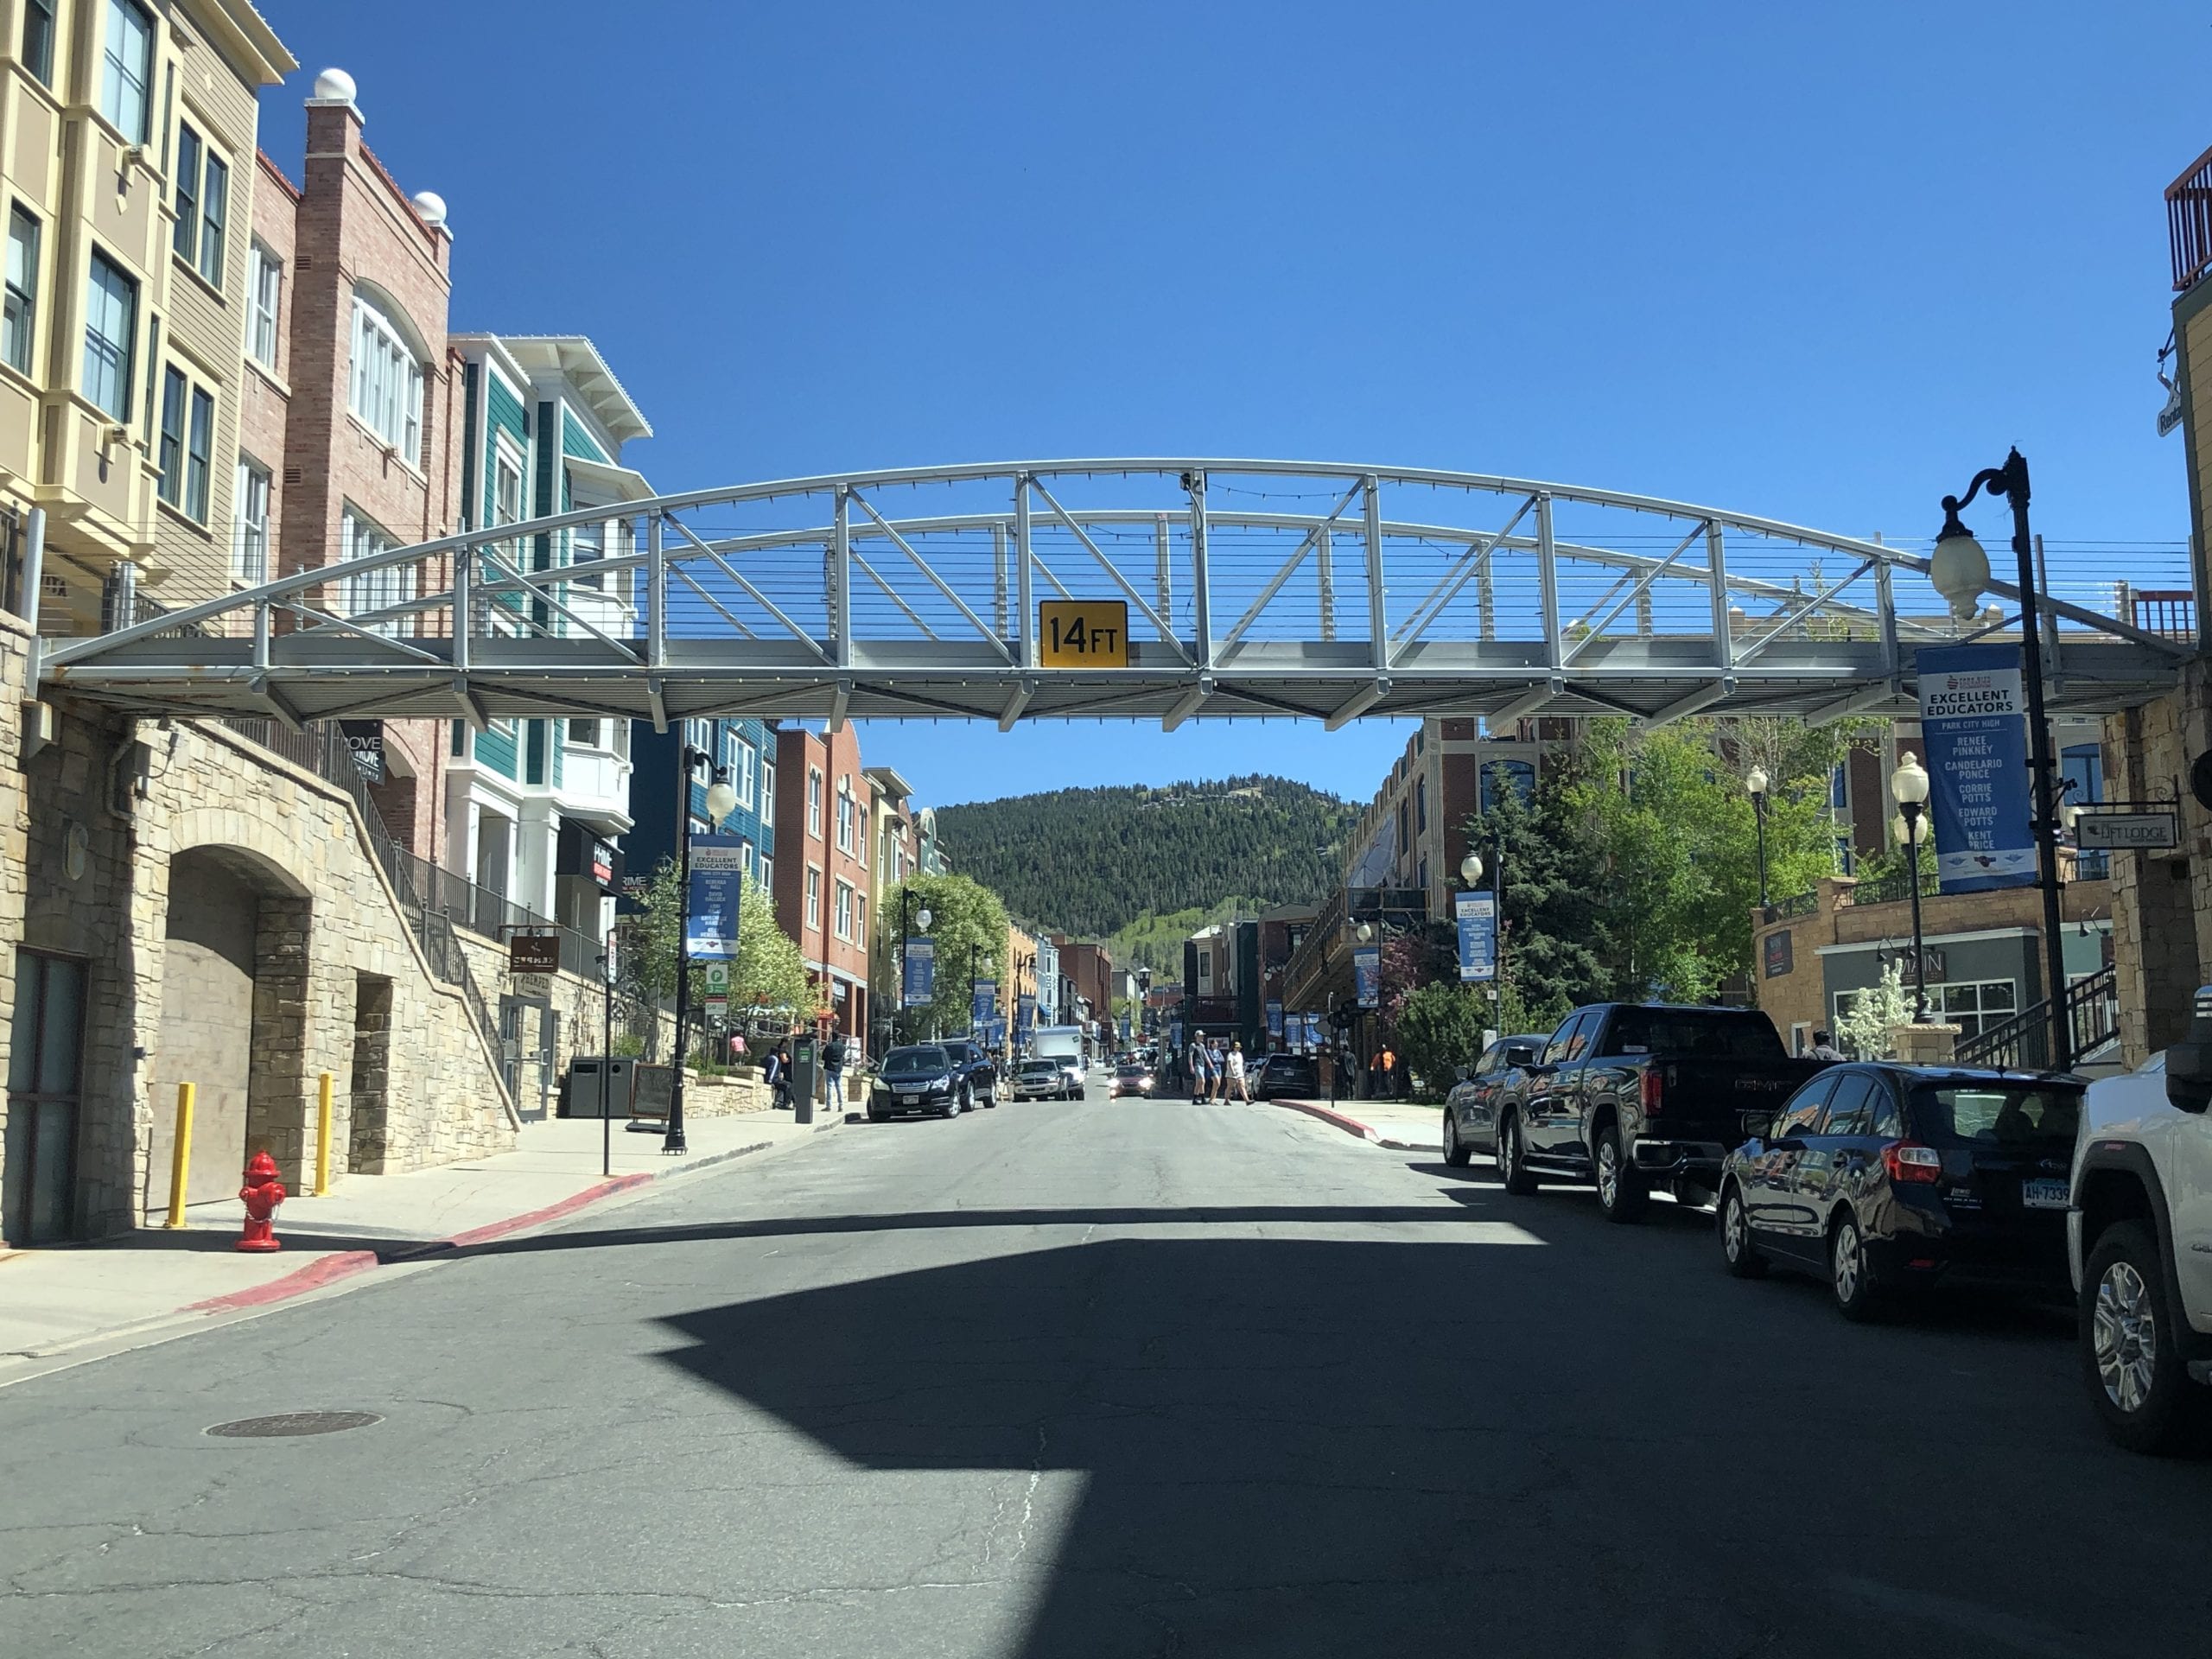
(2189, 1064)
(1521, 1054)
(1461, 1073)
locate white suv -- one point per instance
(2140, 1237)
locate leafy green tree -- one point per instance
(1440, 1028)
(768, 971)
(968, 925)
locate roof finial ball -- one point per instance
(334, 87)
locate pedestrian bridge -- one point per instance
(1165, 589)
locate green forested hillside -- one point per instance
(1093, 862)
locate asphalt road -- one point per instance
(1138, 1378)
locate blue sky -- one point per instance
(1819, 263)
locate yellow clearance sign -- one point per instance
(1082, 634)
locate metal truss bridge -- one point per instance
(1246, 588)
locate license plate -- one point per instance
(909, 1100)
(2044, 1195)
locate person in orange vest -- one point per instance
(1389, 1061)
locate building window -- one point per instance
(1846, 860)
(699, 734)
(374, 590)
(1840, 788)
(1973, 1007)
(203, 204)
(767, 791)
(844, 817)
(38, 39)
(862, 851)
(265, 281)
(22, 320)
(1421, 810)
(128, 69)
(743, 758)
(588, 545)
(187, 435)
(1516, 775)
(583, 734)
(768, 871)
(250, 552)
(814, 803)
(2082, 765)
(844, 921)
(813, 896)
(110, 326)
(386, 391)
(860, 921)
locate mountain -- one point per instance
(1131, 859)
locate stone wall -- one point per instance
(2162, 901)
(580, 1003)
(91, 825)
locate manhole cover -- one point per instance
(288, 1423)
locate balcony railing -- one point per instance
(1890, 889)
(2189, 222)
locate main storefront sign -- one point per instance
(2153, 832)
(365, 738)
(710, 928)
(1478, 917)
(1976, 734)
(534, 953)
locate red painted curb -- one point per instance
(1327, 1115)
(326, 1270)
(567, 1206)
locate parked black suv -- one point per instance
(976, 1070)
(1295, 1076)
(919, 1077)
(1879, 1177)
(1633, 1094)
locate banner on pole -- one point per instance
(1367, 976)
(1024, 1013)
(1974, 725)
(919, 984)
(710, 925)
(985, 1000)
(1274, 1018)
(1477, 916)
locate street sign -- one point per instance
(534, 953)
(2153, 832)
(717, 981)
(1082, 634)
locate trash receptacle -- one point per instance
(600, 1085)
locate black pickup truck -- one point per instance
(1632, 1095)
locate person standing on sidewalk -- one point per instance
(1235, 1077)
(833, 1067)
(1196, 1064)
(777, 1069)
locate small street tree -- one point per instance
(1864, 1031)
(968, 924)
(768, 969)
(1441, 1027)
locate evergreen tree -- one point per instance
(1553, 941)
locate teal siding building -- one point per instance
(536, 808)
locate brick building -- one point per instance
(347, 439)
(823, 809)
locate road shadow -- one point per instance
(1296, 1448)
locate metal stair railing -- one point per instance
(2090, 1006)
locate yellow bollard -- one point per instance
(181, 1160)
(322, 1137)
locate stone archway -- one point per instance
(234, 1004)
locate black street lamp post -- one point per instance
(607, 1063)
(905, 913)
(1909, 783)
(722, 801)
(1957, 561)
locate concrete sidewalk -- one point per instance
(1399, 1125)
(56, 1301)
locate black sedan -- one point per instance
(1882, 1177)
(921, 1079)
(1471, 1110)
(1296, 1076)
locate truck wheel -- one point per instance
(1621, 1192)
(2130, 1357)
(1742, 1256)
(1511, 1169)
(1456, 1151)
(1851, 1276)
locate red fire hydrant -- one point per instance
(262, 1192)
